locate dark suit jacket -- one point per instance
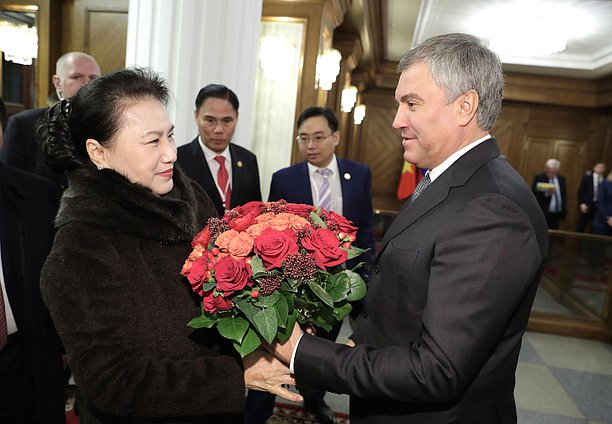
(585, 192)
(27, 207)
(245, 174)
(21, 149)
(293, 185)
(447, 305)
(543, 200)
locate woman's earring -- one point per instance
(99, 168)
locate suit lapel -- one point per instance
(203, 174)
(303, 185)
(455, 176)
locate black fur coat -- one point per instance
(121, 308)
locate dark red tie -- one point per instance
(223, 181)
(3, 329)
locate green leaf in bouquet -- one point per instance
(289, 297)
(247, 307)
(354, 251)
(233, 328)
(209, 285)
(317, 219)
(342, 311)
(250, 342)
(258, 268)
(321, 293)
(284, 333)
(269, 300)
(358, 286)
(338, 286)
(266, 323)
(324, 321)
(203, 321)
(292, 284)
(282, 310)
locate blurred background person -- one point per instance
(550, 190)
(112, 280)
(602, 221)
(226, 171)
(72, 71)
(32, 381)
(587, 195)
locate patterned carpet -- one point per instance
(294, 414)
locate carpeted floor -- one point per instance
(295, 414)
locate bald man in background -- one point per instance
(20, 150)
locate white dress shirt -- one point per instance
(213, 165)
(11, 325)
(335, 186)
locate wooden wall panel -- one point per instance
(106, 38)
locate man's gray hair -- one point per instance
(459, 63)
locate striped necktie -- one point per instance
(420, 187)
(223, 181)
(3, 328)
(325, 199)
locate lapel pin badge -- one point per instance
(347, 176)
(239, 164)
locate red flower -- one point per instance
(232, 275)
(213, 304)
(254, 206)
(202, 238)
(344, 225)
(273, 246)
(197, 274)
(242, 222)
(299, 209)
(325, 247)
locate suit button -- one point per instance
(376, 269)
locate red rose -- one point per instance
(242, 222)
(232, 275)
(254, 206)
(325, 247)
(273, 246)
(344, 225)
(197, 274)
(213, 304)
(202, 238)
(299, 209)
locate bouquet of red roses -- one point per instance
(264, 266)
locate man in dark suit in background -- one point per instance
(550, 191)
(336, 184)
(21, 150)
(587, 195)
(224, 169)
(458, 269)
(32, 382)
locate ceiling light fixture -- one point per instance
(18, 42)
(359, 114)
(349, 97)
(328, 68)
(276, 56)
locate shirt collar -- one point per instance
(333, 166)
(438, 170)
(210, 154)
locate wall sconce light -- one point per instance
(18, 42)
(349, 97)
(359, 114)
(328, 68)
(276, 57)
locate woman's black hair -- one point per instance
(95, 112)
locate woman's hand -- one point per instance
(262, 371)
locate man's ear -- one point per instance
(468, 107)
(56, 81)
(97, 153)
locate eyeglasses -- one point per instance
(316, 139)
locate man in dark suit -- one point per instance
(550, 191)
(216, 115)
(21, 150)
(587, 195)
(32, 382)
(348, 193)
(458, 269)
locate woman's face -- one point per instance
(143, 150)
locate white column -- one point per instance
(192, 43)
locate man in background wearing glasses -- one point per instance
(340, 185)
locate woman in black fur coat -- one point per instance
(112, 280)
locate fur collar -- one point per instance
(107, 199)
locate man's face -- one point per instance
(599, 168)
(75, 74)
(216, 120)
(551, 172)
(317, 142)
(429, 126)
